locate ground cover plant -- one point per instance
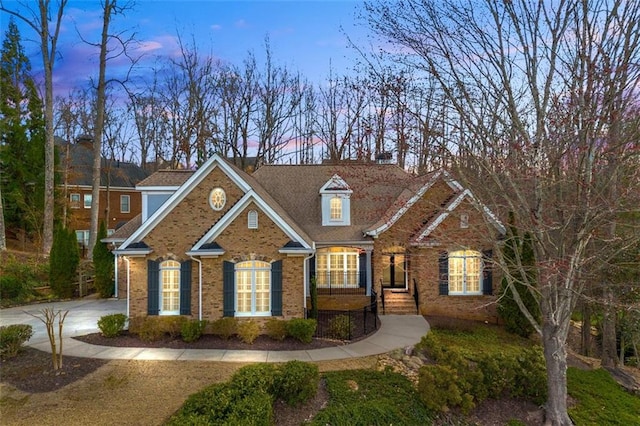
(600, 400)
(368, 397)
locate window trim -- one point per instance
(220, 201)
(252, 219)
(84, 200)
(75, 204)
(257, 266)
(324, 270)
(128, 198)
(464, 256)
(172, 266)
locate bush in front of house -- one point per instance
(341, 327)
(103, 264)
(276, 329)
(153, 328)
(64, 259)
(192, 330)
(297, 382)
(225, 327)
(463, 377)
(112, 325)
(12, 338)
(248, 331)
(302, 329)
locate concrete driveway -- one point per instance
(82, 318)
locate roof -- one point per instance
(166, 177)
(79, 158)
(297, 191)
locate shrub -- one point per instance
(341, 327)
(302, 329)
(314, 298)
(255, 378)
(112, 325)
(11, 287)
(248, 331)
(154, 328)
(172, 325)
(225, 327)
(255, 409)
(530, 377)
(276, 329)
(297, 382)
(63, 262)
(192, 330)
(12, 337)
(103, 264)
(438, 389)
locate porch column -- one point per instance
(369, 269)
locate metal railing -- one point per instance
(348, 324)
(339, 282)
(416, 296)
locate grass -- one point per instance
(600, 399)
(367, 397)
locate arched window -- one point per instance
(252, 219)
(170, 288)
(465, 272)
(253, 288)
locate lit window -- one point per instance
(465, 267)
(170, 288)
(252, 219)
(337, 267)
(125, 204)
(253, 288)
(87, 201)
(336, 208)
(217, 199)
(74, 199)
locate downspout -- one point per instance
(126, 259)
(199, 287)
(304, 273)
(115, 274)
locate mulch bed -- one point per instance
(32, 370)
(208, 341)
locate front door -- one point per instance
(394, 271)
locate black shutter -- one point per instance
(276, 288)
(185, 288)
(443, 273)
(153, 287)
(487, 272)
(228, 284)
(312, 267)
(362, 279)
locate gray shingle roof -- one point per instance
(167, 177)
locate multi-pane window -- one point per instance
(87, 201)
(125, 204)
(253, 288)
(170, 287)
(82, 236)
(336, 208)
(465, 272)
(74, 200)
(337, 266)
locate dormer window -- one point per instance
(336, 202)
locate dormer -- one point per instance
(336, 202)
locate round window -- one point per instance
(217, 199)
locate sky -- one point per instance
(309, 36)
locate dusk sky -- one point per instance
(306, 36)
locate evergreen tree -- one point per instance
(522, 278)
(103, 264)
(63, 262)
(21, 138)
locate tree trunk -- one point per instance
(3, 241)
(609, 356)
(555, 355)
(585, 341)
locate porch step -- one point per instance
(399, 303)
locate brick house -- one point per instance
(119, 200)
(219, 242)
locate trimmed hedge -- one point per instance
(302, 329)
(112, 325)
(12, 337)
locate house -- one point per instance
(119, 200)
(219, 242)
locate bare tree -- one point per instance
(538, 88)
(39, 20)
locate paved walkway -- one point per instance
(396, 331)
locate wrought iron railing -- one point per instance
(349, 324)
(337, 282)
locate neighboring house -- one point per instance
(219, 242)
(119, 200)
